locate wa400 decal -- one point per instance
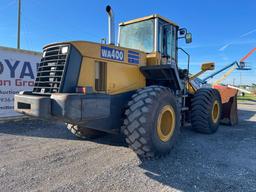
(111, 53)
(118, 55)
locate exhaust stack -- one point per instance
(111, 25)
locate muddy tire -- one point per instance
(152, 123)
(84, 133)
(206, 111)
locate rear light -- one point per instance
(81, 89)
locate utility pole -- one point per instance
(240, 79)
(18, 34)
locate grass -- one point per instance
(247, 97)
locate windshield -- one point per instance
(138, 36)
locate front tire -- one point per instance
(206, 110)
(152, 122)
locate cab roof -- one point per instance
(147, 18)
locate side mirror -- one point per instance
(188, 38)
(207, 66)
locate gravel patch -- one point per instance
(41, 156)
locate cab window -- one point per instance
(138, 36)
(167, 43)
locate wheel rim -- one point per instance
(215, 111)
(166, 123)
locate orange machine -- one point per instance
(229, 94)
(229, 104)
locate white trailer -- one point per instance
(17, 73)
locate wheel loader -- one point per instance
(133, 88)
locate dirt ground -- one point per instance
(40, 156)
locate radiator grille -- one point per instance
(51, 70)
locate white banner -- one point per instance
(17, 73)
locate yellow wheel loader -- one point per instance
(134, 88)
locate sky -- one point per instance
(223, 30)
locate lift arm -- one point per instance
(225, 75)
(248, 55)
(239, 89)
(205, 67)
(234, 64)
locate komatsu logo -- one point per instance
(111, 53)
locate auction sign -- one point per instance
(17, 73)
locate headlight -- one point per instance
(64, 50)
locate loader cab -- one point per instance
(154, 35)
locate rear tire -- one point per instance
(84, 133)
(233, 112)
(206, 110)
(152, 123)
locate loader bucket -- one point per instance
(229, 104)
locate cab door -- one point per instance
(168, 44)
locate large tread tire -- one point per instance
(201, 113)
(230, 116)
(139, 127)
(84, 133)
(233, 112)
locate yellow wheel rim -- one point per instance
(215, 111)
(166, 123)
